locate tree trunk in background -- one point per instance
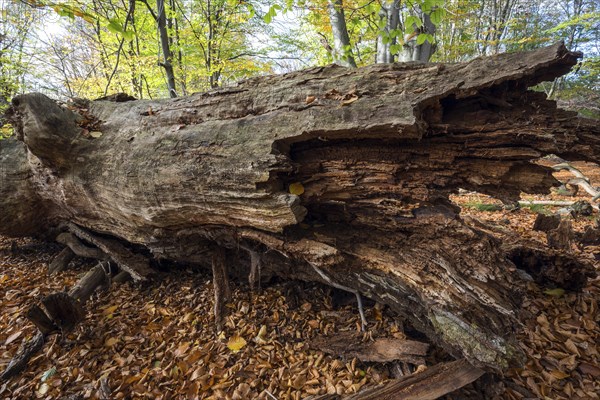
(342, 48)
(330, 174)
(390, 13)
(411, 51)
(167, 63)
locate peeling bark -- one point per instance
(377, 150)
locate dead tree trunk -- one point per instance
(335, 172)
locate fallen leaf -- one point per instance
(13, 337)
(261, 338)
(95, 134)
(296, 188)
(310, 99)
(110, 310)
(554, 292)
(559, 374)
(43, 389)
(110, 342)
(590, 369)
(182, 349)
(236, 343)
(48, 374)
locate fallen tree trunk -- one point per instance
(328, 174)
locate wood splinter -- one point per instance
(361, 312)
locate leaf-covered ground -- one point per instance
(157, 341)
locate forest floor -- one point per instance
(157, 341)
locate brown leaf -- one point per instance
(350, 100)
(182, 349)
(13, 337)
(589, 369)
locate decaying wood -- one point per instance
(562, 237)
(57, 312)
(357, 190)
(546, 266)
(379, 350)
(546, 223)
(19, 362)
(80, 249)
(254, 275)
(135, 264)
(61, 261)
(220, 285)
(430, 384)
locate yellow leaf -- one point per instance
(236, 343)
(95, 134)
(296, 188)
(110, 342)
(109, 310)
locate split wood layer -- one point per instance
(377, 150)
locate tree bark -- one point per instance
(352, 184)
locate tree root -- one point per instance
(361, 312)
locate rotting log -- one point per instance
(335, 172)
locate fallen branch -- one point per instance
(581, 180)
(556, 203)
(430, 384)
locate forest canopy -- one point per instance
(162, 48)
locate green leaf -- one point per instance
(412, 22)
(554, 292)
(421, 39)
(251, 10)
(128, 35)
(64, 11)
(114, 26)
(395, 48)
(48, 374)
(271, 13)
(437, 15)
